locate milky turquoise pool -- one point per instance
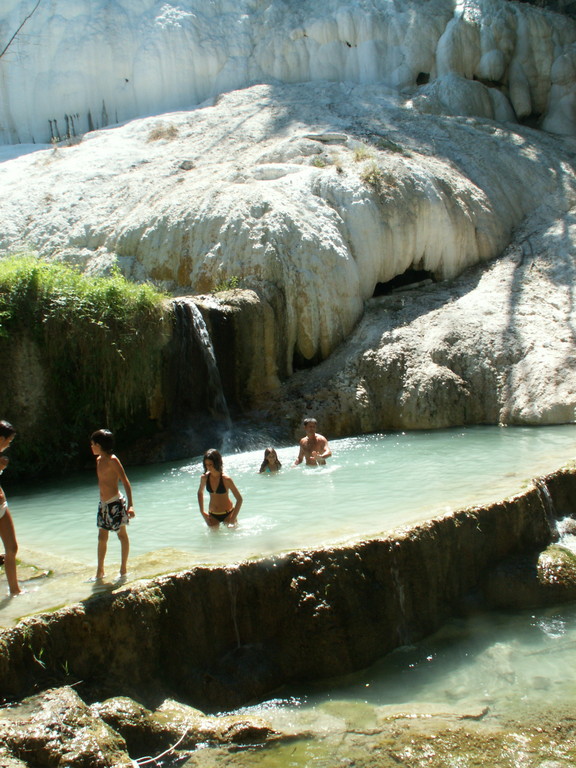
(371, 485)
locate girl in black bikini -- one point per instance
(221, 509)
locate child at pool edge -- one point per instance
(271, 461)
(114, 511)
(7, 531)
(218, 485)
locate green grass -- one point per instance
(93, 342)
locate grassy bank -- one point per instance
(77, 353)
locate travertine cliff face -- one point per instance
(318, 198)
(396, 148)
(492, 346)
(218, 637)
(74, 66)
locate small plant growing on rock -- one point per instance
(230, 284)
(362, 153)
(319, 162)
(163, 131)
(373, 175)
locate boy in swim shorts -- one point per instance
(114, 511)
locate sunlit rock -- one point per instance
(176, 725)
(57, 728)
(99, 64)
(388, 190)
(493, 346)
(546, 579)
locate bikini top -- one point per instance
(221, 487)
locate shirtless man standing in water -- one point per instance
(314, 447)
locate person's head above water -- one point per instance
(104, 438)
(215, 457)
(310, 425)
(271, 460)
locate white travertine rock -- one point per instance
(75, 66)
(322, 190)
(494, 346)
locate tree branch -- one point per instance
(9, 43)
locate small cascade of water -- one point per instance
(401, 627)
(549, 506)
(233, 590)
(196, 406)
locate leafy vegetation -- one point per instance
(92, 344)
(166, 131)
(230, 284)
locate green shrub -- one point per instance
(231, 284)
(96, 343)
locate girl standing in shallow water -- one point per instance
(218, 485)
(7, 532)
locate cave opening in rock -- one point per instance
(410, 278)
(300, 363)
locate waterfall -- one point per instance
(549, 506)
(400, 598)
(194, 393)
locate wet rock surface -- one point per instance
(57, 728)
(533, 581)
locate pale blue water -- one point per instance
(496, 666)
(372, 484)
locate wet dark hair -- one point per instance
(309, 420)
(215, 457)
(267, 452)
(6, 429)
(104, 438)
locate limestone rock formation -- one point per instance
(546, 578)
(321, 195)
(57, 728)
(69, 69)
(491, 346)
(374, 148)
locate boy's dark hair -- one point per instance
(104, 438)
(6, 429)
(309, 420)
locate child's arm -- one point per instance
(201, 489)
(230, 486)
(127, 487)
